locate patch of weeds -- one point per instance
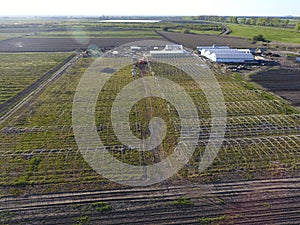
(223, 219)
(182, 202)
(83, 220)
(101, 206)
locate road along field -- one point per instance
(261, 145)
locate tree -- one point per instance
(232, 19)
(259, 37)
(252, 21)
(248, 21)
(297, 26)
(276, 22)
(262, 21)
(286, 23)
(243, 21)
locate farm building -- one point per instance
(173, 47)
(169, 50)
(224, 54)
(135, 48)
(200, 48)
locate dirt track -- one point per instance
(250, 202)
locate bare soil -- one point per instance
(60, 44)
(194, 40)
(283, 82)
(273, 201)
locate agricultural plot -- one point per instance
(285, 83)
(61, 44)
(192, 40)
(262, 137)
(18, 71)
(121, 33)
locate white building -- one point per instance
(135, 48)
(173, 47)
(169, 50)
(224, 54)
(200, 48)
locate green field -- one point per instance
(18, 71)
(38, 145)
(271, 34)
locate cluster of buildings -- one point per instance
(219, 54)
(224, 54)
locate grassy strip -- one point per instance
(269, 33)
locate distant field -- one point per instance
(194, 40)
(97, 34)
(271, 34)
(44, 44)
(5, 36)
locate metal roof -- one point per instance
(213, 47)
(235, 56)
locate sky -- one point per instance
(150, 7)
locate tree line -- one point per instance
(259, 21)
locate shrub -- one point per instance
(259, 37)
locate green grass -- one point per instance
(83, 220)
(18, 71)
(182, 202)
(223, 219)
(101, 206)
(269, 33)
